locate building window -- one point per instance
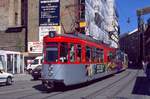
(16, 18)
(24, 12)
(82, 10)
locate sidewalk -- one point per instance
(22, 77)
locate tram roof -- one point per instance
(81, 36)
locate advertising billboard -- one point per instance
(35, 47)
(49, 12)
(44, 30)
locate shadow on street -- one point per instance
(41, 88)
(142, 86)
(61, 88)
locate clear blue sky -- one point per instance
(127, 8)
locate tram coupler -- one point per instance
(52, 83)
(48, 84)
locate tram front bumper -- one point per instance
(51, 83)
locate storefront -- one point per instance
(12, 62)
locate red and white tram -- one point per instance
(75, 59)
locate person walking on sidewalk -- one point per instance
(148, 68)
(144, 64)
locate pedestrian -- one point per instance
(144, 64)
(148, 68)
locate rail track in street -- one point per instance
(111, 86)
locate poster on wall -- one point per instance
(49, 12)
(44, 30)
(35, 47)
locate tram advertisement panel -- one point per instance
(100, 68)
(49, 12)
(93, 69)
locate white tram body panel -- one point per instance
(71, 74)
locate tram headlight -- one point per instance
(50, 69)
(50, 73)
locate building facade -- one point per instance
(11, 29)
(98, 19)
(147, 40)
(130, 44)
(101, 18)
(20, 27)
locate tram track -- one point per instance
(25, 96)
(69, 93)
(15, 91)
(29, 96)
(125, 85)
(78, 91)
(55, 94)
(104, 89)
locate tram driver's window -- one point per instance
(72, 53)
(52, 52)
(63, 52)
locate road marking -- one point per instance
(14, 91)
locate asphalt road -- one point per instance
(129, 84)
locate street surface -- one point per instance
(129, 84)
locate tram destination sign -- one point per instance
(49, 12)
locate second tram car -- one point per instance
(73, 60)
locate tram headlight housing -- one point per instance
(50, 69)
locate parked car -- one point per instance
(36, 72)
(37, 61)
(6, 78)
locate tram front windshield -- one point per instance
(51, 54)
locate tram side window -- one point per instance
(72, 52)
(101, 55)
(94, 59)
(63, 52)
(110, 56)
(52, 53)
(88, 54)
(79, 53)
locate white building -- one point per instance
(102, 21)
